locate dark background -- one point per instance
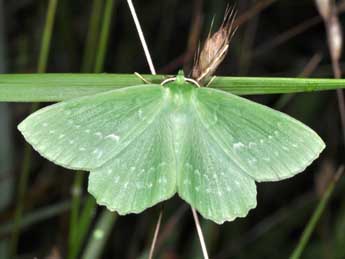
(272, 229)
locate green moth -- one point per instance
(143, 144)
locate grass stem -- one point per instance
(304, 239)
(25, 173)
(104, 35)
(141, 36)
(99, 236)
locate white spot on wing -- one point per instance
(98, 153)
(113, 137)
(238, 145)
(252, 161)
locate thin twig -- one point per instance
(201, 236)
(155, 236)
(141, 36)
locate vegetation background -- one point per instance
(275, 38)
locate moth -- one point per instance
(145, 143)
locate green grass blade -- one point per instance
(75, 229)
(37, 216)
(24, 177)
(104, 36)
(46, 37)
(59, 87)
(92, 36)
(296, 254)
(99, 235)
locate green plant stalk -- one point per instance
(297, 252)
(83, 227)
(23, 180)
(74, 216)
(87, 65)
(92, 36)
(99, 235)
(60, 87)
(104, 36)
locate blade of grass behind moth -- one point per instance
(6, 139)
(267, 224)
(99, 235)
(104, 35)
(79, 231)
(25, 172)
(92, 36)
(36, 216)
(88, 61)
(304, 239)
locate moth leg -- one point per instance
(211, 81)
(142, 78)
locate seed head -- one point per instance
(215, 48)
